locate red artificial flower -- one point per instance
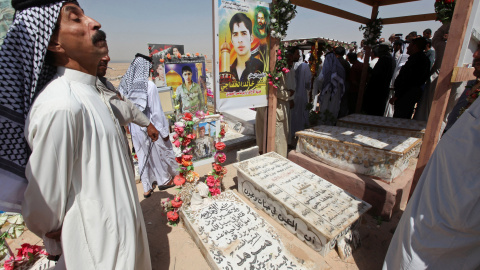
(176, 143)
(217, 167)
(179, 180)
(220, 146)
(191, 136)
(178, 160)
(197, 54)
(270, 83)
(211, 181)
(220, 157)
(175, 136)
(177, 202)
(222, 132)
(214, 191)
(187, 116)
(178, 130)
(186, 141)
(169, 56)
(224, 170)
(187, 157)
(188, 54)
(162, 60)
(179, 55)
(172, 216)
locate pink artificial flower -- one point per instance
(279, 58)
(179, 130)
(287, 70)
(179, 124)
(276, 78)
(279, 52)
(176, 143)
(275, 87)
(200, 114)
(187, 150)
(214, 191)
(175, 136)
(270, 83)
(211, 181)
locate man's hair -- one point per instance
(428, 31)
(375, 51)
(398, 42)
(202, 127)
(239, 18)
(291, 50)
(420, 42)
(352, 56)
(186, 68)
(340, 51)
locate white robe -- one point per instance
(440, 228)
(80, 178)
(161, 164)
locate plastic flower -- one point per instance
(200, 114)
(220, 146)
(175, 136)
(197, 54)
(270, 83)
(187, 150)
(279, 58)
(214, 191)
(222, 132)
(179, 180)
(162, 60)
(217, 167)
(178, 160)
(186, 141)
(178, 130)
(177, 202)
(191, 136)
(192, 176)
(187, 157)
(174, 96)
(169, 56)
(179, 55)
(186, 163)
(176, 143)
(187, 116)
(220, 157)
(172, 216)
(211, 181)
(177, 107)
(188, 54)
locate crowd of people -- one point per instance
(400, 82)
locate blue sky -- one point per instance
(130, 25)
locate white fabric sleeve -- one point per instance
(52, 138)
(156, 112)
(139, 117)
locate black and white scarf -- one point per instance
(134, 83)
(23, 74)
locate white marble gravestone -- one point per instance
(231, 235)
(382, 155)
(316, 211)
(387, 125)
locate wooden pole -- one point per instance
(272, 96)
(363, 79)
(442, 92)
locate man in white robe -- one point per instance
(157, 161)
(299, 113)
(80, 180)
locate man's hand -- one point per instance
(152, 132)
(166, 138)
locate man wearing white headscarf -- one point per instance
(157, 161)
(81, 190)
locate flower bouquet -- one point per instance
(444, 10)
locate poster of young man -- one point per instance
(187, 78)
(242, 42)
(157, 52)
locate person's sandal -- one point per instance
(164, 187)
(150, 192)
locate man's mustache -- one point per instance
(99, 36)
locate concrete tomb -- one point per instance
(381, 155)
(321, 214)
(231, 235)
(388, 125)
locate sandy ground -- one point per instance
(173, 248)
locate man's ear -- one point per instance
(54, 44)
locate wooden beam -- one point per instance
(363, 79)
(385, 2)
(409, 19)
(462, 74)
(456, 36)
(330, 10)
(272, 96)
